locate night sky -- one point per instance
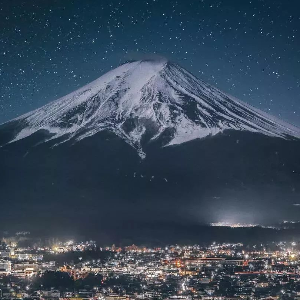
(250, 49)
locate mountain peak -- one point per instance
(148, 61)
(152, 98)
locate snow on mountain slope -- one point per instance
(148, 99)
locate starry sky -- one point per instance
(248, 48)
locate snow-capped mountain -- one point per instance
(143, 101)
(74, 162)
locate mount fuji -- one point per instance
(148, 142)
(146, 100)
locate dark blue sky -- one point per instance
(248, 48)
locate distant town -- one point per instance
(55, 269)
